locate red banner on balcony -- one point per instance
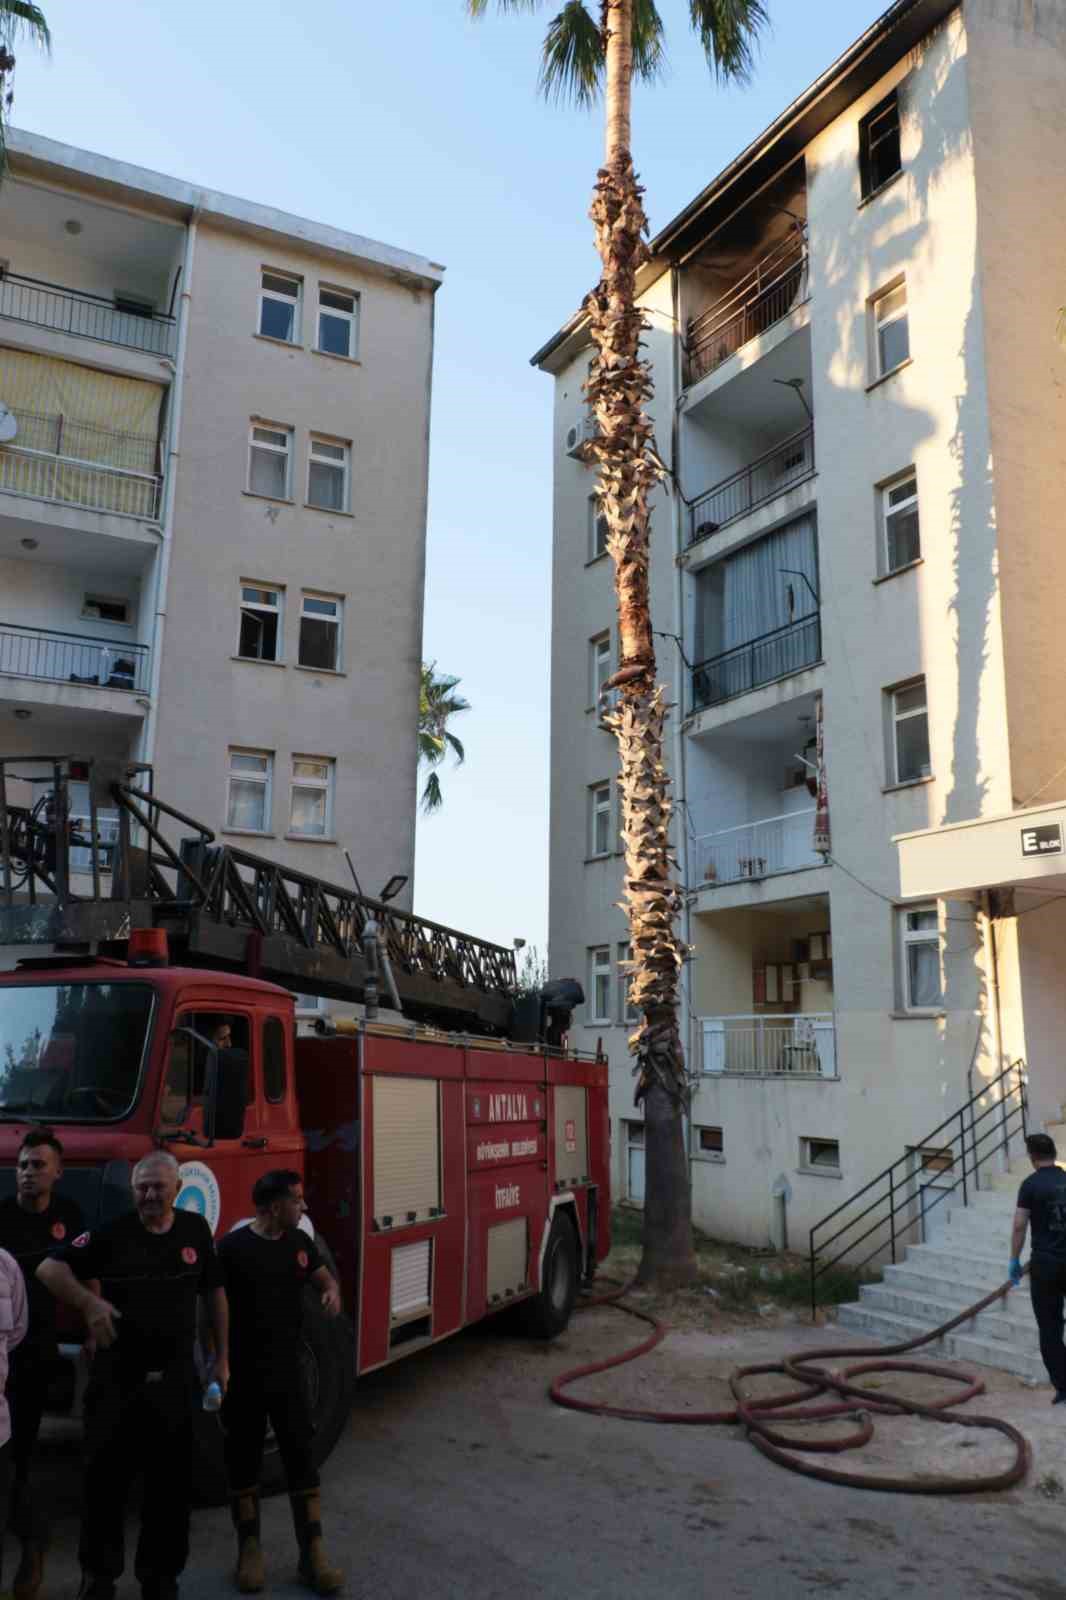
(821, 808)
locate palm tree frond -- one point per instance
(477, 8)
(20, 18)
(729, 33)
(432, 799)
(572, 61)
(456, 747)
(649, 56)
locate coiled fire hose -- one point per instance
(758, 1415)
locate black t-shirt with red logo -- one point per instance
(264, 1280)
(30, 1236)
(153, 1279)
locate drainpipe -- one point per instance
(166, 519)
(680, 783)
(990, 923)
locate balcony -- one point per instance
(53, 461)
(86, 316)
(757, 849)
(50, 657)
(781, 468)
(758, 300)
(800, 1046)
(773, 655)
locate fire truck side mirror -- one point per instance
(229, 1093)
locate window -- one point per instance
(320, 632)
(327, 475)
(910, 733)
(599, 819)
(311, 803)
(921, 987)
(599, 669)
(600, 984)
(891, 329)
(279, 307)
(338, 310)
(899, 509)
(597, 529)
(879, 155)
(274, 1059)
(708, 1142)
(269, 454)
(105, 608)
(260, 630)
(630, 1013)
(820, 1155)
(185, 1084)
(248, 803)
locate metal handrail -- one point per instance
(37, 301)
(764, 295)
(50, 656)
(705, 694)
(898, 1192)
(740, 493)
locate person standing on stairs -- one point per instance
(1042, 1207)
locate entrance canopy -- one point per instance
(1023, 850)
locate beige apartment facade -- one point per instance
(854, 538)
(213, 505)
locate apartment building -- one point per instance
(856, 574)
(213, 467)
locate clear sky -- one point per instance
(407, 122)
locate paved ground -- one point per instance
(458, 1478)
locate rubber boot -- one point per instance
(30, 1574)
(314, 1569)
(250, 1575)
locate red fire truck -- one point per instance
(454, 1149)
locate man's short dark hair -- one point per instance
(1041, 1146)
(274, 1186)
(41, 1137)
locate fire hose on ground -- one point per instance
(760, 1414)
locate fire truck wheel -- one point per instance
(549, 1312)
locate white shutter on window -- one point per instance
(406, 1120)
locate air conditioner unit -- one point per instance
(578, 436)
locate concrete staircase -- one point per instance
(967, 1259)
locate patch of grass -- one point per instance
(1050, 1486)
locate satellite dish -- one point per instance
(8, 424)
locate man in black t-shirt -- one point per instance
(1042, 1207)
(151, 1265)
(33, 1221)
(265, 1266)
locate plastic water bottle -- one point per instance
(212, 1397)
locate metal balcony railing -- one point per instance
(781, 468)
(772, 655)
(87, 316)
(52, 657)
(54, 458)
(760, 298)
(802, 1045)
(758, 849)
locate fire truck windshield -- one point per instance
(72, 1052)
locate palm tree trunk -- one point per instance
(619, 384)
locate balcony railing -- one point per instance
(87, 316)
(758, 849)
(52, 657)
(781, 468)
(800, 1046)
(773, 655)
(53, 460)
(762, 297)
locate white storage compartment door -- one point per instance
(406, 1121)
(411, 1279)
(507, 1255)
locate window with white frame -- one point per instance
(708, 1143)
(597, 529)
(910, 733)
(248, 798)
(920, 981)
(599, 819)
(338, 312)
(820, 1155)
(599, 669)
(279, 306)
(311, 802)
(327, 475)
(269, 461)
(629, 1013)
(599, 991)
(260, 634)
(320, 632)
(899, 518)
(891, 330)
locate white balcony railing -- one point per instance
(801, 1046)
(88, 485)
(758, 849)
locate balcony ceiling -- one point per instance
(752, 399)
(777, 726)
(136, 248)
(81, 548)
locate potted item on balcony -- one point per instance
(710, 873)
(703, 529)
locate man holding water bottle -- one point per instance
(138, 1281)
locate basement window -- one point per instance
(820, 1155)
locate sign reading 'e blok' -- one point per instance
(1045, 840)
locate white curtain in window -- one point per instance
(923, 971)
(757, 587)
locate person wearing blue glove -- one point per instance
(1041, 1207)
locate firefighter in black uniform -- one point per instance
(33, 1221)
(264, 1268)
(151, 1266)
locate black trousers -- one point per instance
(1047, 1289)
(5, 1490)
(254, 1398)
(27, 1387)
(138, 1426)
